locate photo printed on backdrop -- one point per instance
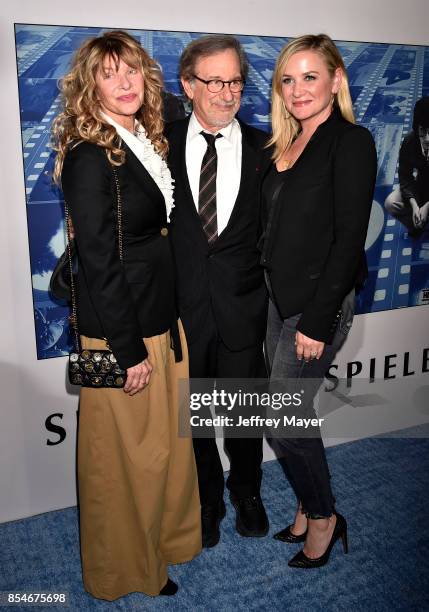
(386, 81)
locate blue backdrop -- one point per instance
(386, 80)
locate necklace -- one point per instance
(294, 152)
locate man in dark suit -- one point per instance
(215, 160)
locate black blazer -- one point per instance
(122, 303)
(225, 276)
(314, 243)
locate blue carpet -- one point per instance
(382, 488)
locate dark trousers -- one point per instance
(210, 358)
(305, 457)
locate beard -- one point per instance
(224, 118)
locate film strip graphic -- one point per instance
(400, 255)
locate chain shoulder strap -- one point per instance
(73, 316)
(119, 213)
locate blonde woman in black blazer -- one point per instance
(138, 493)
(317, 200)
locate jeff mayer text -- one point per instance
(254, 421)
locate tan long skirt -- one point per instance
(138, 492)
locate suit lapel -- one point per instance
(177, 158)
(143, 177)
(249, 166)
(181, 165)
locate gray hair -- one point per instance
(210, 45)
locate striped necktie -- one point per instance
(207, 190)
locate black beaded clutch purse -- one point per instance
(90, 367)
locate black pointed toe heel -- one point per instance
(286, 535)
(301, 560)
(170, 588)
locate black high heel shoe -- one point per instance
(340, 531)
(170, 588)
(286, 535)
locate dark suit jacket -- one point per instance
(227, 275)
(122, 303)
(314, 244)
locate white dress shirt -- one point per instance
(145, 152)
(228, 166)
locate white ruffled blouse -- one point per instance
(145, 152)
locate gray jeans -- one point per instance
(305, 457)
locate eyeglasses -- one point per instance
(216, 85)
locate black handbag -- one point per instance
(89, 367)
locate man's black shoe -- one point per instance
(211, 516)
(252, 520)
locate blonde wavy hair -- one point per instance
(285, 127)
(81, 118)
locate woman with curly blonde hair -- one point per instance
(82, 117)
(138, 494)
